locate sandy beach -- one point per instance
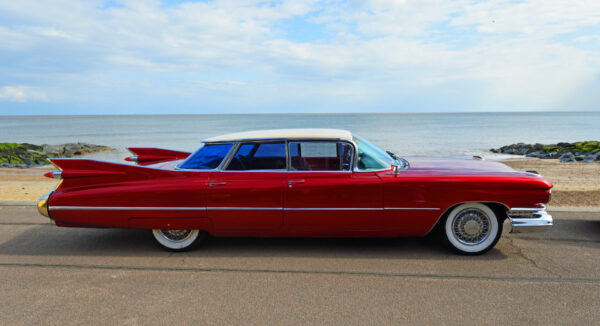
(575, 184)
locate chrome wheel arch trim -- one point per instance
(451, 207)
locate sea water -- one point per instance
(407, 134)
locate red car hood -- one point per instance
(447, 163)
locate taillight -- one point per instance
(53, 174)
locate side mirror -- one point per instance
(399, 164)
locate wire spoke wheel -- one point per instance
(472, 228)
(176, 235)
(178, 240)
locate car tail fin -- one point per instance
(84, 172)
(148, 155)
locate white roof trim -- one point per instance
(283, 134)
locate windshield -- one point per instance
(371, 157)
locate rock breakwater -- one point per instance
(583, 151)
(24, 155)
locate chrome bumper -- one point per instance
(42, 205)
(523, 220)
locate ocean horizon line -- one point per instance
(290, 114)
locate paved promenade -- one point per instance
(62, 276)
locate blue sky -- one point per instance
(245, 56)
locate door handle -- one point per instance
(212, 184)
(291, 182)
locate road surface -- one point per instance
(61, 276)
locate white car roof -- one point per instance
(283, 134)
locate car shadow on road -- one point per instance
(52, 241)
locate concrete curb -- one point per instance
(17, 203)
(574, 209)
(551, 208)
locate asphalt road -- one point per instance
(62, 276)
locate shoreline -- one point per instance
(575, 184)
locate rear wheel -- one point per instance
(471, 229)
(179, 240)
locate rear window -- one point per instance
(256, 156)
(320, 156)
(207, 158)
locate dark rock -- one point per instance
(567, 157)
(522, 151)
(584, 151)
(25, 155)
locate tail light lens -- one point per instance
(53, 174)
(131, 159)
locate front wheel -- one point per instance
(179, 240)
(471, 229)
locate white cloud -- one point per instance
(21, 94)
(509, 51)
(542, 17)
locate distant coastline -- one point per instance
(583, 151)
(25, 155)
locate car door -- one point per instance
(323, 196)
(246, 196)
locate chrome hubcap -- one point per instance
(471, 226)
(176, 235)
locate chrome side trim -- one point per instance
(113, 208)
(332, 209)
(413, 208)
(357, 208)
(245, 208)
(107, 208)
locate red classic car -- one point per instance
(297, 183)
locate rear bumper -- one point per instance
(42, 205)
(524, 220)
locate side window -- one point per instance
(257, 156)
(320, 156)
(206, 158)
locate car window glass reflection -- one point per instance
(206, 158)
(256, 156)
(320, 156)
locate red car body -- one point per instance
(389, 202)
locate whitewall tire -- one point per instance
(472, 228)
(179, 240)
